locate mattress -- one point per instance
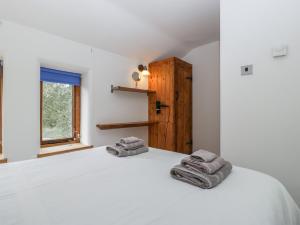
(94, 187)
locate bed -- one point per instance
(94, 187)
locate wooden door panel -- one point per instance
(184, 107)
(179, 90)
(188, 112)
(174, 130)
(161, 80)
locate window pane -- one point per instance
(57, 111)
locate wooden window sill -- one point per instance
(62, 149)
(2, 159)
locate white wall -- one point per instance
(120, 106)
(23, 50)
(260, 114)
(206, 96)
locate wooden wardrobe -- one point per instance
(172, 80)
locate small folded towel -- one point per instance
(132, 146)
(205, 167)
(204, 156)
(121, 152)
(129, 140)
(201, 180)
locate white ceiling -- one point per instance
(134, 28)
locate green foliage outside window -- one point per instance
(57, 111)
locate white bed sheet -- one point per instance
(95, 188)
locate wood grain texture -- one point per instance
(128, 89)
(161, 80)
(65, 142)
(76, 113)
(172, 89)
(45, 152)
(3, 160)
(125, 125)
(183, 107)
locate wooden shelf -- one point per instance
(128, 89)
(125, 125)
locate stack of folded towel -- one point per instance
(203, 169)
(127, 147)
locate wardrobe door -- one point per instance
(162, 134)
(183, 107)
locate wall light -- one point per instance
(144, 70)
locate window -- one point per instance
(60, 107)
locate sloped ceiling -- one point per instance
(140, 29)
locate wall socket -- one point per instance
(246, 70)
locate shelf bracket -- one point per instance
(112, 88)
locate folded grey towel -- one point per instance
(205, 167)
(129, 140)
(132, 146)
(201, 180)
(121, 152)
(204, 156)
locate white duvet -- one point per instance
(95, 188)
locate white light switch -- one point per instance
(280, 51)
(247, 70)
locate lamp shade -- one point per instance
(146, 73)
